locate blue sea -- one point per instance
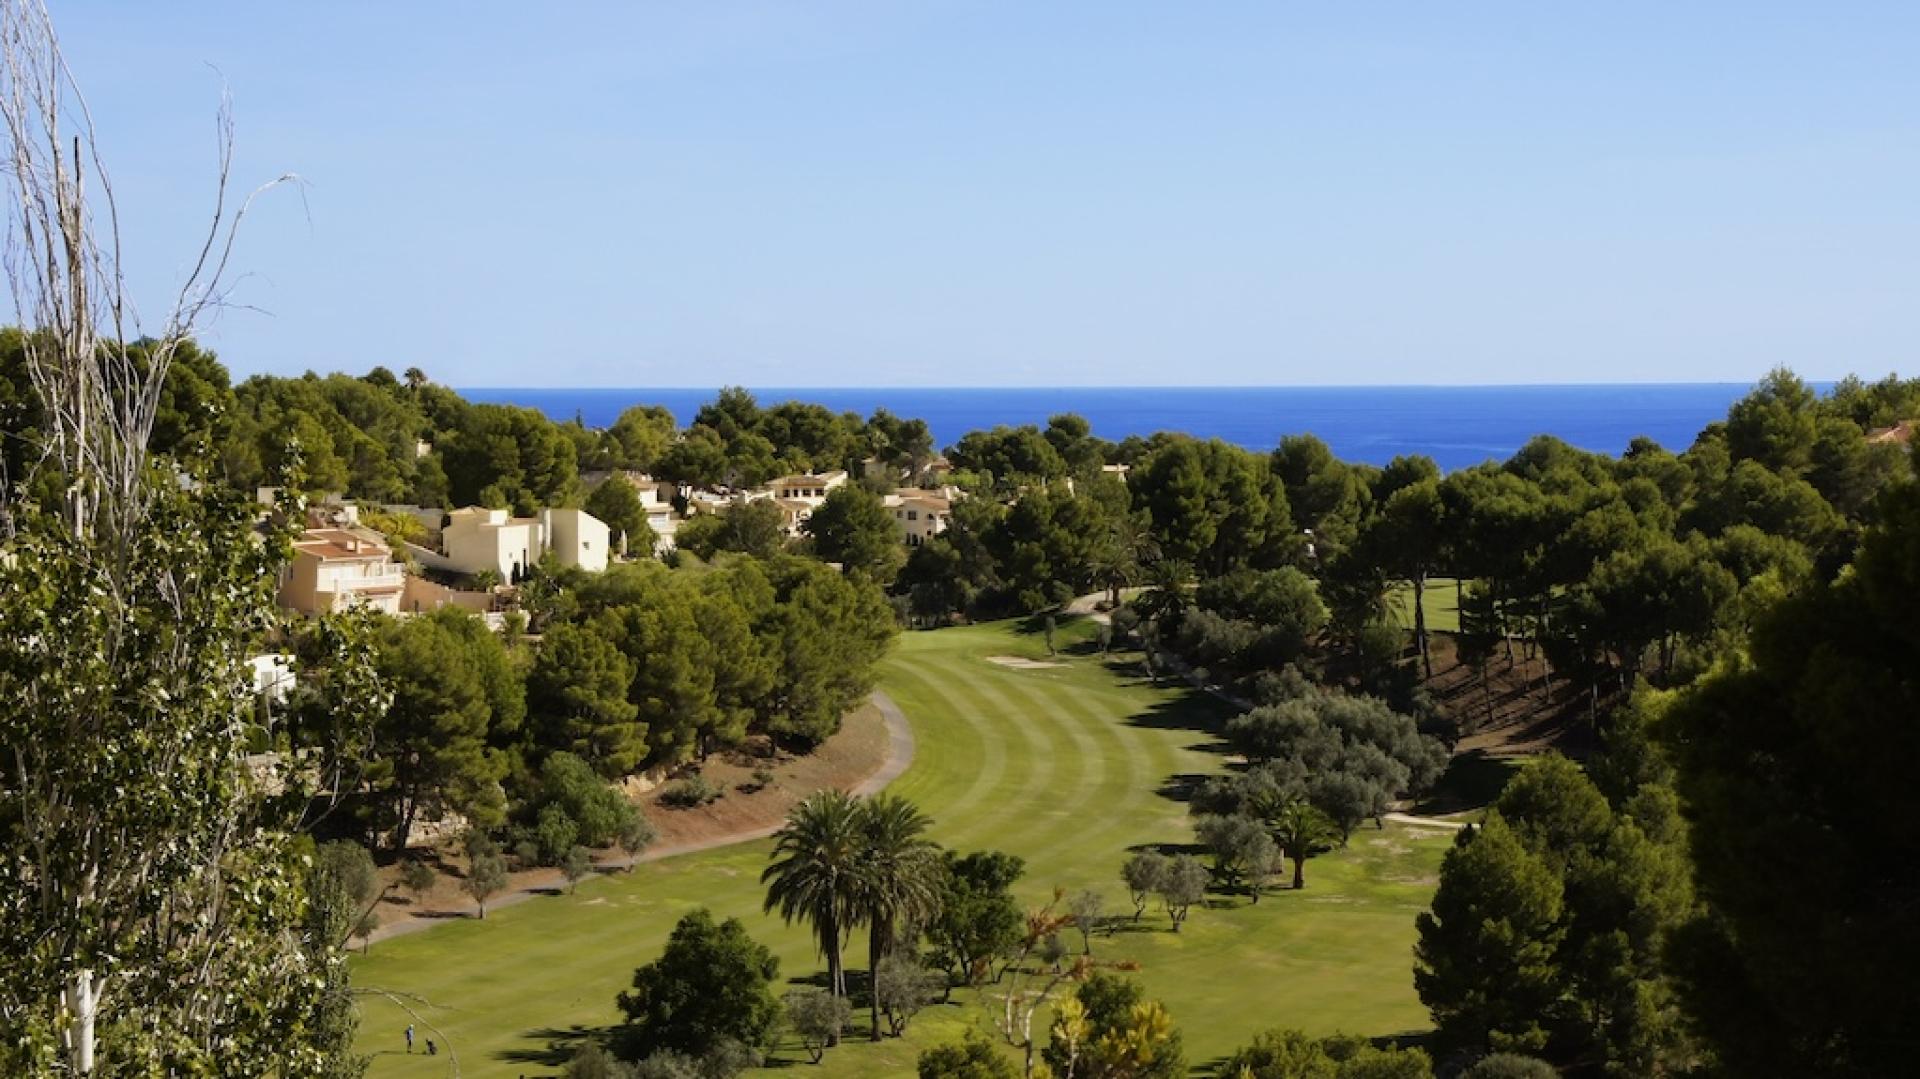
(1457, 426)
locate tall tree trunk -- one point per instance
(836, 976)
(1546, 665)
(410, 804)
(877, 934)
(1299, 871)
(1420, 620)
(1499, 605)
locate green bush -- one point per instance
(689, 792)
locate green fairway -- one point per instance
(1066, 766)
(1443, 605)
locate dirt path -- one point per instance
(1086, 605)
(1426, 822)
(899, 756)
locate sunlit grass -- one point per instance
(1066, 766)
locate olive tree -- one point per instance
(1144, 872)
(817, 1017)
(1184, 885)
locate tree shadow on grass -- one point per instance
(1182, 786)
(558, 1045)
(1170, 849)
(1187, 712)
(1472, 780)
(438, 915)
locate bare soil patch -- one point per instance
(841, 762)
(857, 751)
(1517, 709)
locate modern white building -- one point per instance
(477, 539)
(577, 538)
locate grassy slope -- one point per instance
(1061, 766)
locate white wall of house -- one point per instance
(272, 675)
(478, 539)
(576, 538)
(664, 524)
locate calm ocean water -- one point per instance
(1457, 426)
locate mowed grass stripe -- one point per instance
(1000, 804)
(1015, 822)
(962, 707)
(946, 753)
(1082, 834)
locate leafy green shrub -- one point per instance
(416, 877)
(1510, 1066)
(689, 792)
(554, 832)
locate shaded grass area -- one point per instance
(1472, 781)
(1069, 767)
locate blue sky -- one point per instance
(628, 194)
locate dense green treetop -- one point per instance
(1795, 763)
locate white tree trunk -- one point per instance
(82, 1000)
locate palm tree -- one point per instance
(819, 872)
(1121, 553)
(902, 886)
(1300, 831)
(1167, 582)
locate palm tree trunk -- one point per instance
(876, 951)
(830, 943)
(1299, 871)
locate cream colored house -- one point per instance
(810, 489)
(477, 539)
(337, 568)
(793, 514)
(657, 500)
(919, 514)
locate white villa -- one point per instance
(809, 489)
(657, 500)
(479, 539)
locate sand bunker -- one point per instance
(1021, 663)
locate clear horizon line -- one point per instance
(1149, 386)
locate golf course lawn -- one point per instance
(1067, 767)
(1443, 605)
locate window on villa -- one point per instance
(913, 515)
